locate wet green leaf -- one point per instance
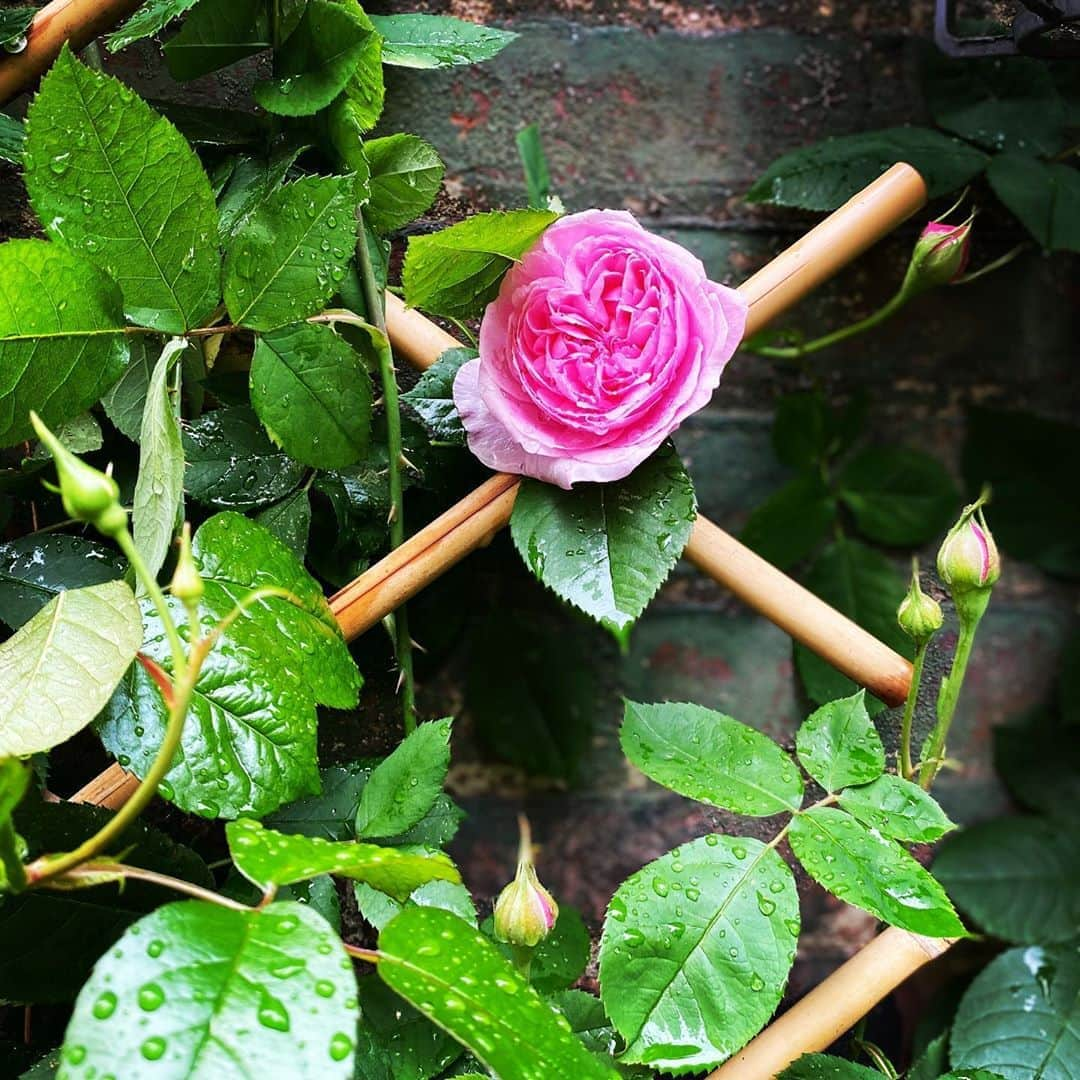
(792, 522)
(315, 62)
(224, 993)
(266, 857)
(607, 548)
(14, 23)
(62, 341)
(534, 163)
(711, 758)
(827, 1067)
(249, 743)
(215, 35)
(250, 183)
(561, 958)
(871, 872)
(111, 179)
(457, 270)
(453, 975)
(838, 745)
(286, 259)
(824, 175)
(365, 91)
(1021, 1015)
(312, 392)
(290, 521)
(405, 176)
(60, 668)
(1018, 878)
(696, 950)
(434, 41)
(330, 813)
(12, 139)
(378, 908)
(35, 567)
(432, 397)
(405, 785)
(125, 400)
(231, 462)
(149, 20)
(1045, 197)
(898, 809)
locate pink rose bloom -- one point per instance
(602, 340)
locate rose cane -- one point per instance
(969, 565)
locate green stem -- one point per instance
(152, 877)
(374, 302)
(794, 352)
(907, 769)
(14, 870)
(521, 957)
(371, 956)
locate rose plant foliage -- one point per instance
(206, 314)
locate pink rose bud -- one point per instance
(602, 340)
(941, 254)
(525, 911)
(968, 560)
(920, 615)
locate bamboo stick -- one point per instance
(837, 1003)
(77, 21)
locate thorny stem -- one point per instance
(907, 769)
(374, 303)
(152, 877)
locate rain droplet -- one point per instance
(154, 1048)
(105, 1006)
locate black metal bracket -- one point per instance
(1047, 28)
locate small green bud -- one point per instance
(919, 615)
(941, 253)
(525, 911)
(187, 583)
(87, 493)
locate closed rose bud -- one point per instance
(87, 493)
(525, 911)
(968, 562)
(187, 583)
(919, 615)
(941, 255)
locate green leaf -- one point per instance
(591, 1025)
(159, 489)
(607, 548)
(871, 872)
(266, 857)
(12, 139)
(432, 398)
(35, 567)
(696, 949)
(711, 758)
(999, 104)
(1020, 1016)
(315, 62)
(226, 993)
(864, 585)
(286, 258)
(329, 814)
(312, 392)
(1028, 462)
(14, 23)
(1039, 762)
(125, 401)
(824, 175)
(205, 125)
(49, 940)
(404, 786)
(365, 90)
(898, 496)
(231, 462)
(457, 978)
(110, 178)
(561, 958)
(898, 809)
(1018, 878)
(394, 1041)
(456, 271)
(341, 127)
(378, 908)
(827, 1067)
(60, 668)
(405, 176)
(1045, 197)
(434, 41)
(252, 181)
(149, 20)
(838, 744)
(249, 741)
(62, 341)
(534, 163)
(215, 35)
(290, 521)
(807, 431)
(792, 522)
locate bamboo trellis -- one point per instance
(877, 969)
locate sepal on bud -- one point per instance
(87, 493)
(968, 561)
(525, 911)
(941, 254)
(187, 583)
(919, 615)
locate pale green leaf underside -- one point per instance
(59, 670)
(62, 340)
(434, 41)
(696, 950)
(111, 178)
(871, 872)
(195, 989)
(711, 758)
(456, 977)
(266, 857)
(150, 19)
(607, 548)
